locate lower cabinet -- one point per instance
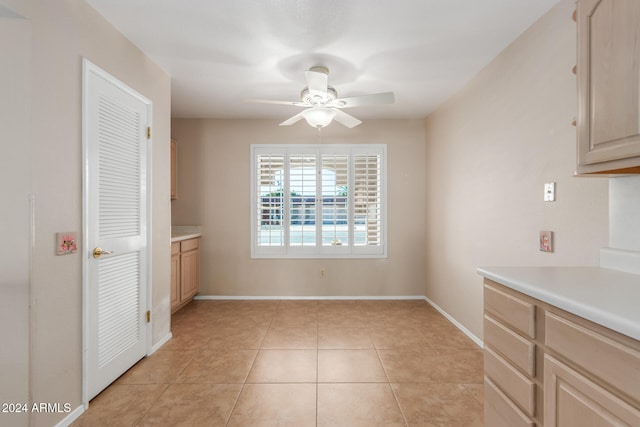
(185, 277)
(547, 367)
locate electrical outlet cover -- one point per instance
(66, 243)
(546, 241)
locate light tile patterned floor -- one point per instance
(301, 363)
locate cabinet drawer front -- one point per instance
(516, 312)
(573, 400)
(602, 356)
(189, 245)
(519, 388)
(499, 411)
(175, 248)
(517, 349)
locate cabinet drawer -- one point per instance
(519, 388)
(175, 248)
(189, 245)
(519, 350)
(516, 312)
(604, 357)
(499, 411)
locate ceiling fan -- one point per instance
(323, 104)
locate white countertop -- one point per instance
(184, 232)
(608, 297)
(177, 237)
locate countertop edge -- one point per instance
(181, 237)
(524, 279)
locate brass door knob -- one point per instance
(98, 252)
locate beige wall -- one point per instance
(213, 192)
(15, 174)
(489, 151)
(62, 32)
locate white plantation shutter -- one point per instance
(303, 170)
(318, 201)
(269, 199)
(335, 200)
(367, 199)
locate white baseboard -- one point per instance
(272, 298)
(456, 323)
(160, 343)
(71, 417)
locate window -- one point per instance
(315, 201)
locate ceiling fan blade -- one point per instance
(293, 119)
(317, 81)
(357, 101)
(345, 119)
(269, 101)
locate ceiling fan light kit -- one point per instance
(319, 117)
(323, 104)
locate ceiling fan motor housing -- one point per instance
(316, 99)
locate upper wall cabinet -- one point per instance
(608, 86)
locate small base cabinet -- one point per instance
(547, 367)
(185, 277)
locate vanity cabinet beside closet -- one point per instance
(185, 277)
(608, 72)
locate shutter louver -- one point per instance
(367, 199)
(119, 162)
(118, 305)
(302, 200)
(270, 168)
(335, 200)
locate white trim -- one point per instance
(297, 297)
(160, 343)
(457, 324)
(72, 416)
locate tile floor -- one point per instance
(301, 363)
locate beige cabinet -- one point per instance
(591, 374)
(608, 71)
(547, 367)
(174, 170)
(510, 361)
(185, 276)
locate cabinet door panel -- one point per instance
(572, 400)
(595, 352)
(175, 280)
(608, 80)
(189, 274)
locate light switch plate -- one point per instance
(66, 243)
(550, 192)
(546, 241)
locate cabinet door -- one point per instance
(572, 400)
(175, 280)
(189, 274)
(609, 85)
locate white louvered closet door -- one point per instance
(116, 148)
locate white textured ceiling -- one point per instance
(221, 52)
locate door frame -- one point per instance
(87, 68)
